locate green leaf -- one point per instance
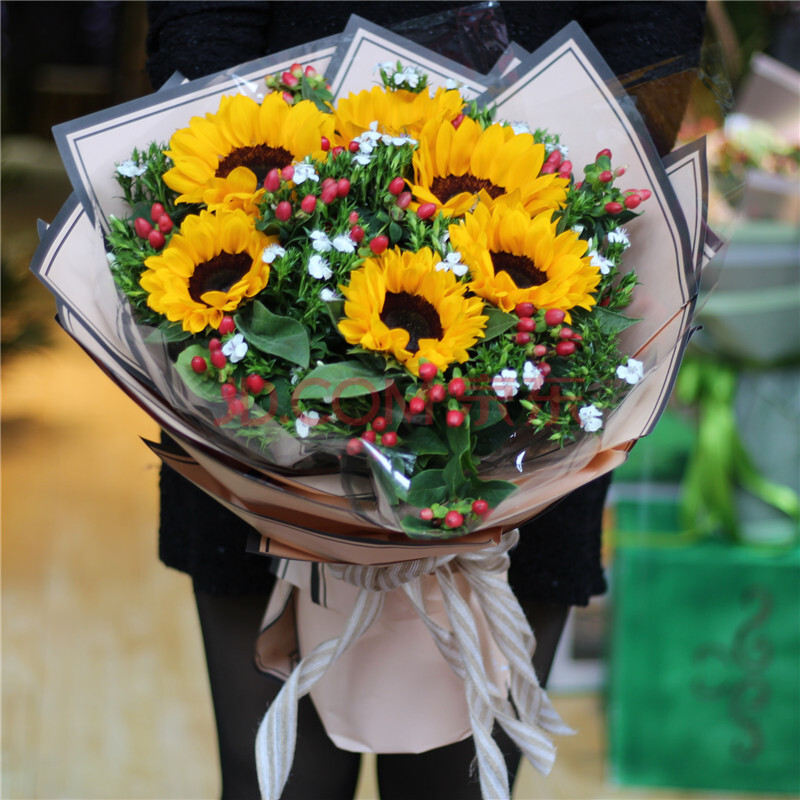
(427, 488)
(424, 441)
(416, 528)
(498, 323)
(279, 336)
(200, 383)
(484, 412)
(344, 379)
(493, 492)
(610, 322)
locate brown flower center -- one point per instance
(218, 274)
(447, 186)
(259, 158)
(521, 269)
(414, 314)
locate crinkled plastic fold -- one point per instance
(307, 498)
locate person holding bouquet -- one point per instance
(557, 563)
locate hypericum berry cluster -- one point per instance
(297, 83)
(154, 230)
(600, 178)
(455, 515)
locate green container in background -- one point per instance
(704, 677)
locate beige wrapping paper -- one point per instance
(392, 691)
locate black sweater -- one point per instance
(558, 558)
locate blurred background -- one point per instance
(683, 682)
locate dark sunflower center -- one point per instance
(413, 314)
(218, 274)
(447, 186)
(522, 270)
(260, 158)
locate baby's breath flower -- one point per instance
(632, 372)
(591, 418)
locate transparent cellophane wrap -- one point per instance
(317, 504)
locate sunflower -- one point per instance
(207, 269)
(453, 166)
(398, 111)
(400, 305)
(222, 158)
(514, 258)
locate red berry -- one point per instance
(156, 211)
(354, 147)
(455, 418)
(428, 371)
(297, 70)
(566, 333)
(226, 325)
(457, 121)
(310, 72)
(453, 519)
(283, 211)
(547, 169)
(272, 182)
(236, 406)
(255, 384)
(337, 151)
(328, 195)
(565, 169)
(156, 239)
(566, 348)
(214, 344)
(522, 338)
(426, 210)
(526, 325)
(289, 80)
(354, 446)
(389, 439)
(606, 176)
(287, 173)
(353, 218)
(164, 224)
(369, 436)
(227, 390)
(437, 393)
(544, 368)
(426, 514)
(457, 387)
(554, 158)
(632, 200)
(357, 233)
(620, 171)
(613, 208)
(379, 424)
(396, 185)
(309, 203)
(325, 144)
(404, 200)
(416, 405)
(480, 507)
(524, 309)
(199, 364)
(539, 350)
(379, 244)
(342, 187)
(142, 227)
(644, 193)
(554, 316)
(605, 152)
(288, 98)
(217, 358)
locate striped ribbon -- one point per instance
(527, 715)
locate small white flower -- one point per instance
(601, 262)
(130, 169)
(452, 262)
(451, 83)
(320, 241)
(409, 75)
(579, 229)
(385, 66)
(319, 268)
(304, 172)
(235, 348)
(563, 149)
(344, 244)
(329, 295)
(520, 127)
(505, 384)
(632, 372)
(305, 422)
(619, 236)
(591, 418)
(362, 158)
(532, 376)
(111, 258)
(271, 252)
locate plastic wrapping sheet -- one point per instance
(289, 491)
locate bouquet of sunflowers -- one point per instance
(392, 278)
